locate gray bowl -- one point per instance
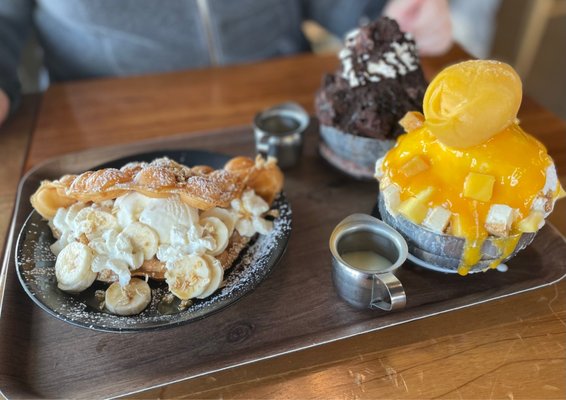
(445, 251)
(353, 155)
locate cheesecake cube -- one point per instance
(544, 204)
(499, 220)
(539, 203)
(392, 199)
(479, 186)
(437, 219)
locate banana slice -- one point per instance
(72, 213)
(213, 227)
(131, 299)
(143, 239)
(223, 215)
(94, 222)
(72, 268)
(187, 277)
(216, 276)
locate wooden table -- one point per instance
(511, 348)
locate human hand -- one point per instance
(4, 106)
(427, 20)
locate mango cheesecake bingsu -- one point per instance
(467, 169)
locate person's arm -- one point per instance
(4, 106)
(341, 16)
(15, 24)
(427, 20)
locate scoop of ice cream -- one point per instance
(163, 215)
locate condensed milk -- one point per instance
(366, 260)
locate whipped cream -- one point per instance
(117, 246)
(185, 242)
(124, 233)
(250, 209)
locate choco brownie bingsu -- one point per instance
(359, 106)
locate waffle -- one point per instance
(200, 187)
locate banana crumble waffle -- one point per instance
(159, 220)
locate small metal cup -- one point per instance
(279, 132)
(360, 288)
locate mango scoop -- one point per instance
(460, 97)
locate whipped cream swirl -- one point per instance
(124, 233)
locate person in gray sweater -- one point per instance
(94, 38)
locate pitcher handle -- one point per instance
(394, 298)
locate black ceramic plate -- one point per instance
(36, 268)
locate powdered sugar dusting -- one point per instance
(220, 185)
(162, 175)
(36, 269)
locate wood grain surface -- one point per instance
(513, 348)
(14, 138)
(270, 321)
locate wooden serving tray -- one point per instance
(296, 307)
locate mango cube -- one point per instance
(412, 120)
(532, 223)
(413, 209)
(424, 195)
(437, 219)
(479, 186)
(415, 166)
(456, 228)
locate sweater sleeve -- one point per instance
(340, 16)
(15, 25)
